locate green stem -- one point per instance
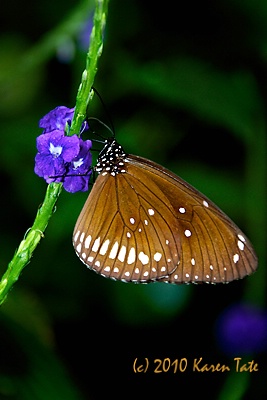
(33, 236)
(85, 92)
(27, 246)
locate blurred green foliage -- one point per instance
(186, 87)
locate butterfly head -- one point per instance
(111, 159)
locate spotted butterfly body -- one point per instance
(142, 223)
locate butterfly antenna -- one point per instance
(112, 129)
(103, 124)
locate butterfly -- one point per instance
(142, 223)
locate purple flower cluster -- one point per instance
(63, 158)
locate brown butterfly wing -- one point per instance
(147, 224)
(213, 248)
(116, 236)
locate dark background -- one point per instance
(185, 84)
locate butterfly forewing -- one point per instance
(143, 223)
(128, 239)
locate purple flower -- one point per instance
(242, 329)
(54, 150)
(57, 119)
(79, 170)
(63, 158)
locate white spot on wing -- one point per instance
(205, 203)
(187, 233)
(76, 236)
(132, 220)
(122, 253)
(79, 247)
(182, 210)
(114, 250)
(150, 211)
(131, 256)
(241, 238)
(104, 247)
(143, 258)
(236, 258)
(96, 245)
(87, 241)
(82, 237)
(157, 256)
(240, 245)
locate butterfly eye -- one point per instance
(142, 223)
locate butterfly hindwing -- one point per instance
(213, 248)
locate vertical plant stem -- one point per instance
(85, 92)
(33, 236)
(31, 239)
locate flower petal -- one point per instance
(76, 184)
(57, 119)
(47, 166)
(71, 147)
(43, 141)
